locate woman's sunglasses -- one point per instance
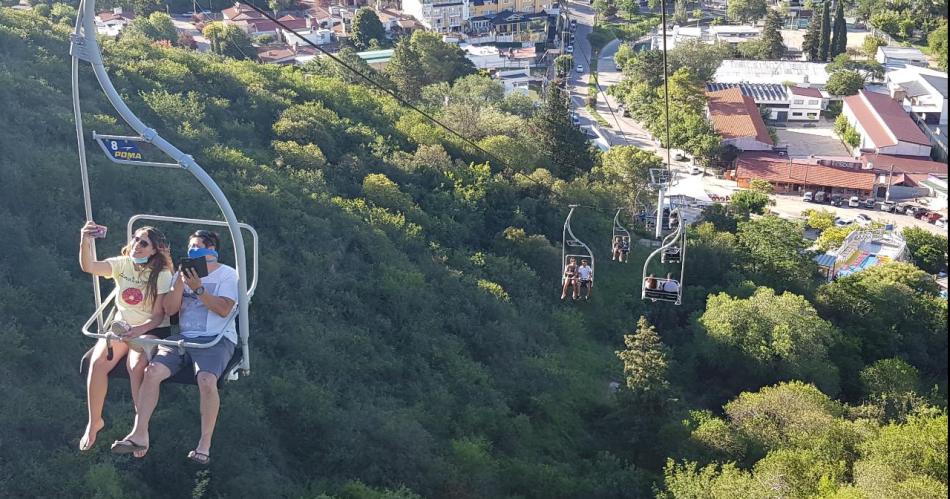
(138, 241)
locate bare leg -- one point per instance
(147, 400)
(210, 404)
(136, 362)
(577, 289)
(97, 384)
(567, 282)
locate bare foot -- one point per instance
(89, 437)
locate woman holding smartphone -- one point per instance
(143, 277)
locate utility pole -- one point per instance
(887, 193)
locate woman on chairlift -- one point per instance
(143, 277)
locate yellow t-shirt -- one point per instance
(130, 303)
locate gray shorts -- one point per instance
(213, 360)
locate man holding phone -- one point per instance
(203, 304)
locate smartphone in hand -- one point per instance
(100, 232)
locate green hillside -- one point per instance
(407, 338)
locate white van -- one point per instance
(808, 197)
(854, 202)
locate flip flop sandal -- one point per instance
(199, 458)
(127, 446)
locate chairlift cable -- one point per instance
(666, 91)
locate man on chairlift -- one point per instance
(585, 278)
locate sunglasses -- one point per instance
(138, 241)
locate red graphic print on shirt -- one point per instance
(132, 296)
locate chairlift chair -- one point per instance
(672, 242)
(124, 150)
(618, 230)
(571, 246)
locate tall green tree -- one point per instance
(746, 10)
(812, 37)
(563, 65)
(440, 61)
(777, 337)
(155, 26)
(680, 15)
(824, 39)
(774, 250)
(565, 148)
(839, 39)
(845, 83)
(645, 360)
(937, 42)
(366, 27)
(405, 69)
(770, 45)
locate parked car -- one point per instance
(942, 223)
(863, 220)
(869, 203)
(888, 206)
(808, 197)
(854, 202)
(837, 200)
(908, 209)
(680, 157)
(580, 69)
(696, 170)
(841, 222)
(933, 217)
(570, 50)
(922, 213)
(821, 197)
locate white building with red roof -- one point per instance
(737, 120)
(111, 23)
(884, 126)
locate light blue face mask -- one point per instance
(139, 261)
(195, 252)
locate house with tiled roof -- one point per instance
(783, 103)
(737, 120)
(884, 126)
(112, 22)
(801, 175)
(904, 164)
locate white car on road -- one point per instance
(580, 69)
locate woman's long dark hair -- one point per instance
(161, 260)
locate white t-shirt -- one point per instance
(671, 287)
(584, 272)
(195, 320)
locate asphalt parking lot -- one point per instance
(803, 142)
